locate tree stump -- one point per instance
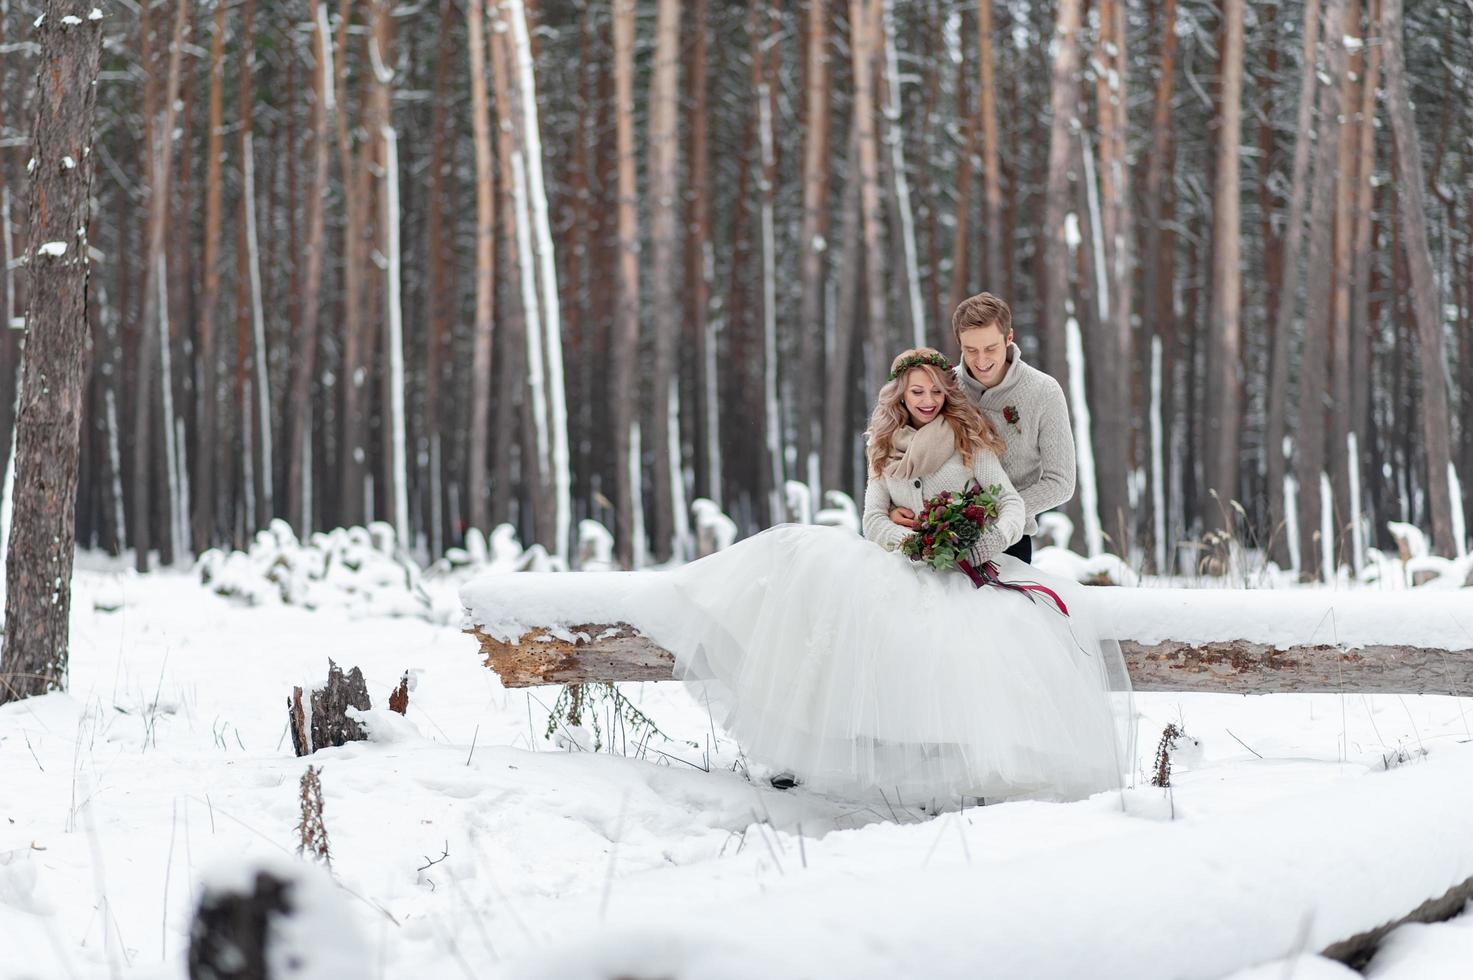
(227, 940)
(329, 723)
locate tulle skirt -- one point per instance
(861, 671)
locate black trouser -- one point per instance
(1022, 550)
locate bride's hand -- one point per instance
(905, 517)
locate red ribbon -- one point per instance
(989, 576)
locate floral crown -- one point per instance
(917, 360)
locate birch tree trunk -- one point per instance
(1426, 307)
(41, 543)
(664, 163)
(380, 61)
(550, 319)
(1225, 364)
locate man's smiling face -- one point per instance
(985, 352)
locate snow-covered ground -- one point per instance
(466, 844)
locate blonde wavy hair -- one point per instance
(970, 427)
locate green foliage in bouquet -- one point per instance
(951, 523)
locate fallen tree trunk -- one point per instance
(610, 652)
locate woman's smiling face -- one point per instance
(924, 397)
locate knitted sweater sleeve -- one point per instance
(1056, 451)
(877, 524)
(1011, 516)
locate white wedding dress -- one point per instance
(861, 671)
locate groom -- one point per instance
(1026, 407)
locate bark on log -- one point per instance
(1357, 951)
(591, 652)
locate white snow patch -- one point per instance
(53, 250)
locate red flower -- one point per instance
(1010, 414)
(926, 540)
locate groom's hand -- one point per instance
(905, 517)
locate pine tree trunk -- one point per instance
(882, 20)
(1115, 428)
(1361, 322)
(41, 545)
(1340, 377)
(664, 162)
(1063, 106)
(438, 303)
(772, 428)
(299, 506)
(811, 245)
(1225, 363)
(1158, 290)
(476, 491)
(1284, 318)
(840, 375)
(862, 45)
(626, 317)
(998, 244)
(1426, 306)
(700, 262)
(209, 457)
(1313, 375)
(352, 446)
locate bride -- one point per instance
(838, 659)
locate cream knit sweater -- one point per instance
(884, 492)
(1040, 455)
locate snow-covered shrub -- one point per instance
(839, 511)
(1410, 540)
(363, 569)
(504, 553)
(595, 547)
(799, 500)
(1105, 569)
(714, 530)
(1056, 527)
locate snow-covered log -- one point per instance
(534, 629)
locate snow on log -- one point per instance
(582, 628)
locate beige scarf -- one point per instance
(920, 452)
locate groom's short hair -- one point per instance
(982, 310)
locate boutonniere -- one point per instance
(1010, 416)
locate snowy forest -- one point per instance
(454, 263)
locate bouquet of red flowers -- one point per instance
(951, 523)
